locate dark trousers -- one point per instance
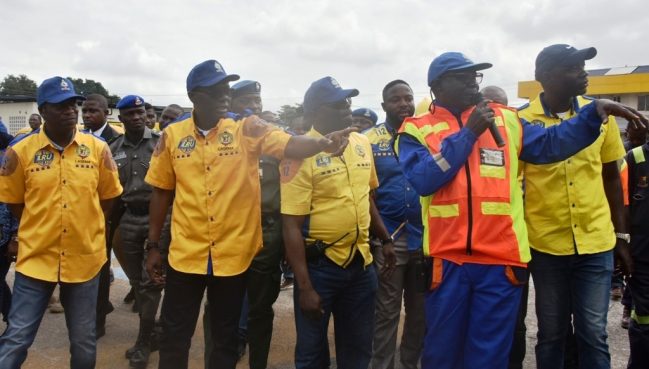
(639, 285)
(263, 289)
(180, 309)
(5, 291)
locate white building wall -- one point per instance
(16, 115)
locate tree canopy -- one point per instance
(18, 85)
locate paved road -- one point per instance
(50, 350)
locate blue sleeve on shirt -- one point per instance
(420, 167)
(548, 145)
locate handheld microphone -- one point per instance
(493, 128)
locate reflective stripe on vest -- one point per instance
(640, 319)
(499, 233)
(638, 154)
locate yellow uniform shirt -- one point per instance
(217, 206)
(565, 205)
(334, 193)
(61, 236)
(24, 131)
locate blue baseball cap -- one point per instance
(208, 73)
(324, 91)
(130, 101)
(452, 61)
(367, 113)
(56, 90)
(561, 55)
(245, 87)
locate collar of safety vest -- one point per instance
(537, 106)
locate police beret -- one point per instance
(367, 113)
(130, 101)
(245, 87)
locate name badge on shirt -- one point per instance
(120, 155)
(492, 157)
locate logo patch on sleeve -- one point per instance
(492, 157)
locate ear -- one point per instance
(192, 96)
(120, 118)
(383, 106)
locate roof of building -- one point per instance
(17, 98)
(633, 69)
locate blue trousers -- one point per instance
(470, 318)
(577, 285)
(348, 294)
(29, 303)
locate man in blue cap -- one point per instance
(326, 207)
(132, 153)
(364, 118)
(263, 277)
(59, 183)
(208, 166)
(472, 207)
(576, 228)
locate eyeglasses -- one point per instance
(467, 77)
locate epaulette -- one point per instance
(524, 106)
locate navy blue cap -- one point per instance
(208, 73)
(562, 54)
(130, 101)
(245, 87)
(452, 61)
(367, 113)
(325, 91)
(56, 90)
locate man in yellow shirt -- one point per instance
(58, 182)
(327, 215)
(574, 211)
(210, 161)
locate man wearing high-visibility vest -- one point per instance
(472, 208)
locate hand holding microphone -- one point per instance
(483, 118)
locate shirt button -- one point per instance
(212, 243)
(210, 193)
(134, 173)
(568, 161)
(208, 168)
(135, 156)
(65, 206)
(570, 183)
(65, 230)
(62, 156)
(64, 181)
(211, 219)
(575, 226)
(573, 205)
(62, 253)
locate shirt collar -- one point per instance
(98, 132)
(147, 135)
(538, 106)
(44, 141)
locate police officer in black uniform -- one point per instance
(132, 153)
(638, 164)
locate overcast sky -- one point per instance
(148, 47)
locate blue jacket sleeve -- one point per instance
(428, 173)
(548, 145)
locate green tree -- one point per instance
(18, 85)
(289, 112)
(89, 86)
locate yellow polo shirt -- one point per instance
(61, 236)
(217, 206)
(334, 193)
(565, 204)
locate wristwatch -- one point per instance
(387, 240)
(623, 236)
